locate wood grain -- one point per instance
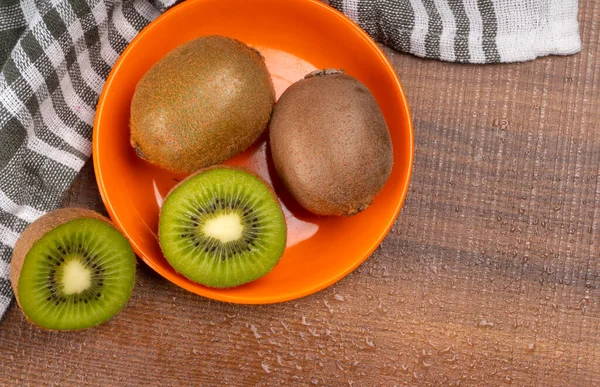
(490, 275)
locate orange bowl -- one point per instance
(296, 37)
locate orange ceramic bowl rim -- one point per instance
(305, 291)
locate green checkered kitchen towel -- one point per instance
(56, 54)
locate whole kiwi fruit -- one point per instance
(72, 269)
(330, 143)
(202, 103)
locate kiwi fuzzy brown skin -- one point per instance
(330, 143)
(201, 104)
(35, 231)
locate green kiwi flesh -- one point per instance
(201, 104)
(71, 269)
(222, 227)
(330, 143)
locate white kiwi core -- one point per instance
(76, 278)
(225, 227)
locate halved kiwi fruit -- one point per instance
(222, 227)
(72, 269)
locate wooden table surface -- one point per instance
(490, 275)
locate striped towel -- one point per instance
(470, 31)
(56, 54)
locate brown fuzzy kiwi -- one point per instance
(330, 143)
(45, 244)
(201, 104)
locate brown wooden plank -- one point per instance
(490, 276)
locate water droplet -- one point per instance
(369, 342)
(339, 297)
(485, 323)
(265, 367)
(328, 306)
(255, 331)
